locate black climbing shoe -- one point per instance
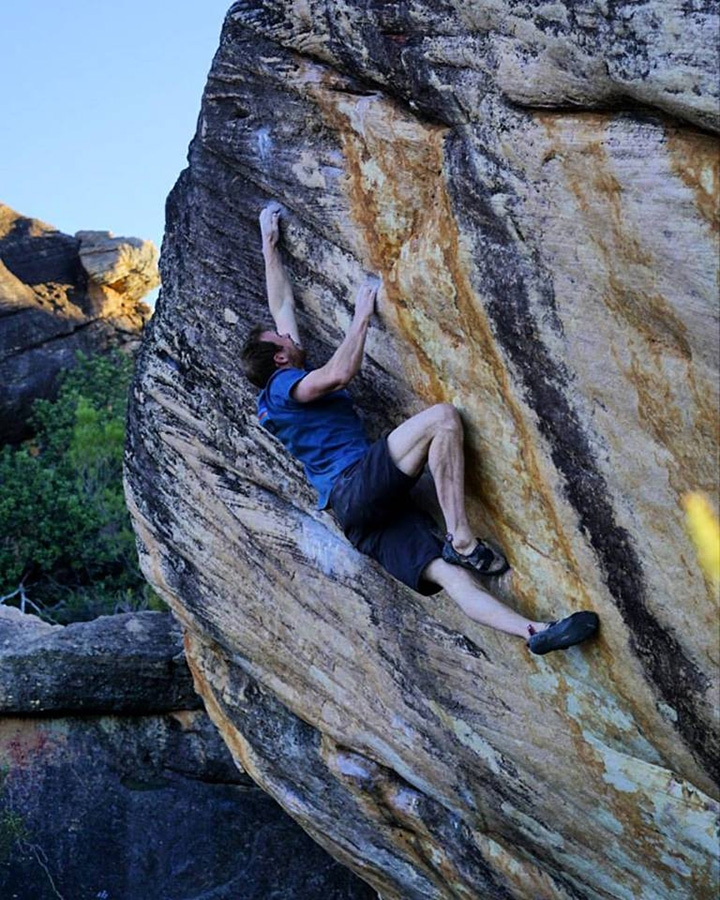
(483, 559)
(560, 635)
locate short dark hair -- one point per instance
(257, 357)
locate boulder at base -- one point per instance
(537, 186)
(120, 787)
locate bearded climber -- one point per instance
(367, 484)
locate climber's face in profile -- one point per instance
(289, 354)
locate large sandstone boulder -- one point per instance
(60, 295)
(117, 785)
(538, 188)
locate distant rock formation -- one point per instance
(60, 295)
(538, 186)
(114, 782)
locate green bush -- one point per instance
(65, 535)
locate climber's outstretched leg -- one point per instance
(435, 437)
(541, 637)
(476, 603)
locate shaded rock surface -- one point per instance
(127, 804)
(126, 663)
(61, 294)
(538, 188)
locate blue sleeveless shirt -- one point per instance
(326, 435)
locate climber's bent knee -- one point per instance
(409, 443)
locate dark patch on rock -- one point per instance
(149, 807)
(37, 259)
(126, 802)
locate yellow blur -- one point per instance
(704, 530)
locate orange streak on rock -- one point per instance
(695, 158)
(631, 295)
(398, 196)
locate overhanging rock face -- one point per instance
(539, 192)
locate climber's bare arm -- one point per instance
(279, 289)
(345, 362)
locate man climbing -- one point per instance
(367, 484)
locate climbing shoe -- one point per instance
(484, 559)
(560, 635)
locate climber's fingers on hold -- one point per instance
(270, 220)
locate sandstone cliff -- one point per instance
(538, 187)
(59, 295)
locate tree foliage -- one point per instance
(66, 544)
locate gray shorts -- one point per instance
(371, 501)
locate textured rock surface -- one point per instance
(59, 295)
(126, 663)
(532, 184)
(123, 266)
(129, 803)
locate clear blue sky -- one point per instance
(100, 102)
